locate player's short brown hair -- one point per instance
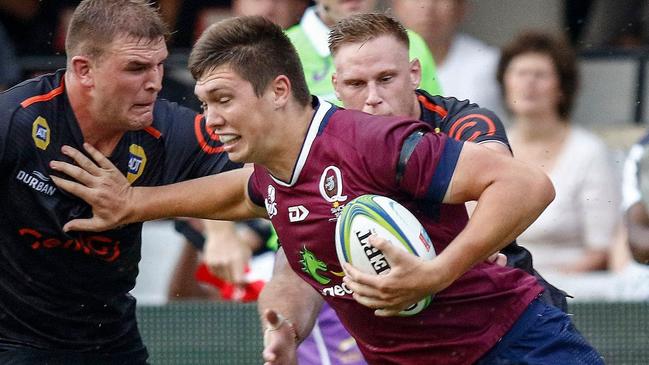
(95, 24)
(562, 55)
(361, 28)
(255, 48)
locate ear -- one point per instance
(334, 81)
(415, 73)
(281, 89)
(81, 67)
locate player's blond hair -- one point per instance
(361, 28)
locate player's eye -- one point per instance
(386, 78)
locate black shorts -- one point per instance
(27, 356)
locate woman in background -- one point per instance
(538, 76)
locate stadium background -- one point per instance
(613, 100)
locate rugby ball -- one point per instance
(374, 214)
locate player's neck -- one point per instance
(93, 131)
(281, 159)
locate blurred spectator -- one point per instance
(284, 13)
(188, 18)
(463, 62)
(636, 199)
(621, 23)
(310, 38)
(9, 68)
(539, 78)
(36, 27)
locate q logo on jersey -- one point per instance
(331, 189)
(136, 162)
(41, 133)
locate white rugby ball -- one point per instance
(375, 214)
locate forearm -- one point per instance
(221, 196)
(637, 221)
(290, 296)
(593, 259)
(504, 210)
(639, 242)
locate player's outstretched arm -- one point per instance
(288, 307)
(115, 203)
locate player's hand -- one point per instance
(408, 281)
(97, 182)
(225, 253)
(280, 344)
(498, 259)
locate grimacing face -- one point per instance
(370, 79)
(235, 113)
(126, 81)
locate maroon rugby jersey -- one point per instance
(347, 154)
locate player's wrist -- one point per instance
(283, 322)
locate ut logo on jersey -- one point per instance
(331, 189)
(136, 162)
(41, 133)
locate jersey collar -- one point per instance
(320, 118)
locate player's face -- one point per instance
(126, 81)
(334, 10)
(377, 78)
(235, 113)
(532, 85)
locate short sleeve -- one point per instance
(430, 168)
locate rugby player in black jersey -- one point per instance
(64, 295)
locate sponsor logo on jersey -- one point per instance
(37, 181)
(331, 189)
(317, 268)
(41, 133)
(311, 265)
(297, 213)
(271, 204)
(98, 246)
(339, 290)
(136, 162)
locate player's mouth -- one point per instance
(144, 106)
(229, 139)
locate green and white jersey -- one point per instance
(310, 39)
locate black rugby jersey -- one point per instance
(461, 119)
(465, 121)
(69, 291)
